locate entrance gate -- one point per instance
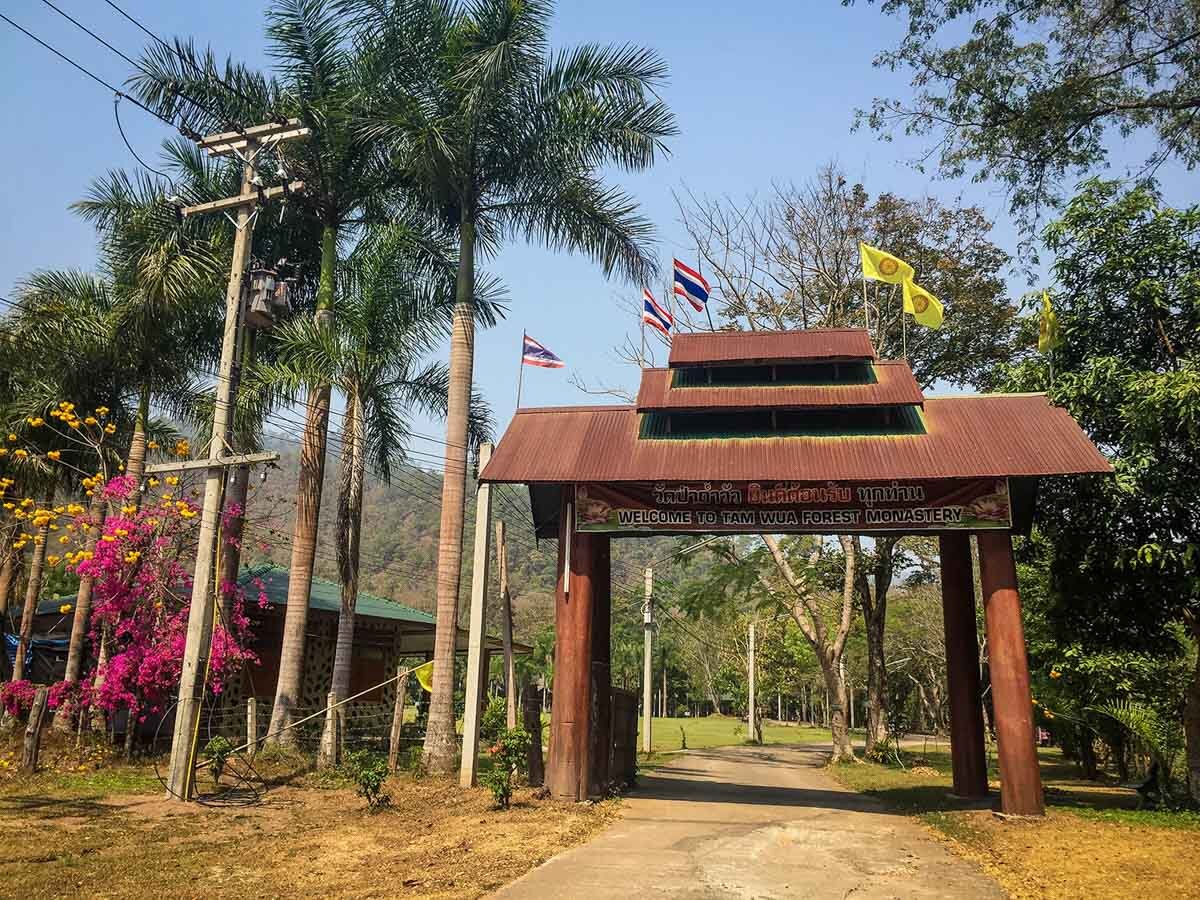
(802, 432)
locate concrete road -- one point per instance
(754, 822)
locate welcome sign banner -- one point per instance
(779, 507)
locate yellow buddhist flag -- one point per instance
(923, 306)
(882, 266)
(1048, 334)
(425, 676)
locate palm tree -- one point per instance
(324, 78)
(496, 137)
(392, 310)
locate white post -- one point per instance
(510, 669)
(750, 666)
(477, 634)
(647, 687)
(252, 726)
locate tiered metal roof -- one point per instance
(877, 426)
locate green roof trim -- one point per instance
(327, 596)
(838, 423)
(824, 374)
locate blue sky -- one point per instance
(763, 91)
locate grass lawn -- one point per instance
(667, 736)
(1092, 843)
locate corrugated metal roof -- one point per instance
(966, 437)
(759, 347)
(894, 386)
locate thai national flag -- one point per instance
(691, 285)
(654, 315)
(534, 354)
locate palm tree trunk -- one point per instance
(32, 589)
(441, 741)
(135, 465)
(83, 609)
(349, 531)
(308, 513)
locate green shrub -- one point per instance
(509, 755)
(494, 721)
(370, 772)
(217, 751)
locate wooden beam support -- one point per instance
(225, 142)
(600, 724)
(269, 193)
(1020, 777)
(236, 459)
(962, 666)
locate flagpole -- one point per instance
(642, 356)
(904, 330)
(699, 271)
(521, 369)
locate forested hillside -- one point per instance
(399, 544)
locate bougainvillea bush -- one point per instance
(141, 566)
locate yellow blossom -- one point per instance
(1054, 673)
(74, 509)
(167, 496)
(9, 505)
(74, 423)
(187, 514)
(108, 539)
(151, 445)
(172, 480)
(102, 410)
(54, 455)
(3, 451)
(91, 493)
(132, 556)
(27, 502)
(182, 447)
(65, 539)
(36, 421)
(20, 454)
(52, 560)
(110, 428)
(1049, 715)
(11, 437)
(122, 532)
(129, 509)
(153, 482)
(65, 608)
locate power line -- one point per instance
(90, 74)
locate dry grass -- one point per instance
(1092, 843)
(104, 832)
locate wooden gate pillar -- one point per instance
(1020, 777)
(601, 687)
(962, 666)
(569, 769)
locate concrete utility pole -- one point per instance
(245, 145)
(647, 688)
(750, 666)
(510, 668)
(477, 634)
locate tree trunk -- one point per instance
(1191, 718)
(32, 589)
(835, 689)
(76, 652)
(135, 465)
(308, 512)
(9, 566)
(232, 530)
(874, 605)
(441, 742)
(349, 531)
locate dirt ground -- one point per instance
(105, 830)
(1092, 842)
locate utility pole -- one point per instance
(510, 669)
(647, 688)
(245, 145)
(475, 689)
(750, 665)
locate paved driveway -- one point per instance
(754, 822)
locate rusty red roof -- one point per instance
(966, 437)
(894, 386)
(765, 347)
